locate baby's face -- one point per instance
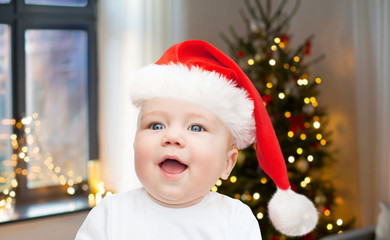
(181, 150)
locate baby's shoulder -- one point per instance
(223, 201)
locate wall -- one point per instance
(331, 23)
(334, 38)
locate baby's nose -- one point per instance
(173, 138)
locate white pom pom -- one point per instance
(292, 214)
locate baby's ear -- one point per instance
(231, 159)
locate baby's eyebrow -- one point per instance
(197, 115)
(154, 112)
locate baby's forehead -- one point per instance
(173, 105)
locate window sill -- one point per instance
(39, 210)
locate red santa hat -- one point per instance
(197, 72)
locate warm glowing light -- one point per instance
(259, 215)
(303, 136)
(291, 159)
(62, 180)
(263, 180)
(247, 197)
(302, 82)
(13, 136)
(319, 136)
(316, 125)
(269, 85)
(277, 40)
(290, 134)
(299, 151)
(286, 66)
(251, 62)
(7, 121)
(214, 189)
(272, 62)
(306, 100)
(91, 196)
(233, 179)
(219, 182)
(307, 180)
(71, 190)
(282, 45)
(26, 120)
(274, 48)
(329, 226)
(293, 69)
(296, 59)
(339, 222)
(327, 212)
(70, 182)
(282, 95)
(287, 114)
(79, 179)
(70, 173)
(50, 166)
(318, 80)
(14, 183)
(303, 184)
(310, 158)
(12, 194)
(323, 142)
(256, 196)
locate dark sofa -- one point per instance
(367, 233)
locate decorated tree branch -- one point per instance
(281, 74)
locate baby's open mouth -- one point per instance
(172, 166)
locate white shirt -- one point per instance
(133, 215)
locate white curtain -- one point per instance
(131, 34)
(372, 58)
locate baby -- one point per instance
(196, 108)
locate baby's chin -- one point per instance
(175, 203)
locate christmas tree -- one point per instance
(289, 91)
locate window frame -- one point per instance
(21, 17)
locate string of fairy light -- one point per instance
(25, 149)
(314, 122)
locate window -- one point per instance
(48, 105)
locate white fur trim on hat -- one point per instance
(210, 90)
(291, 213)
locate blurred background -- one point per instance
(66, 79)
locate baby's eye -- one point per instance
(196, 128)
(157, 126)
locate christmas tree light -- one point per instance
(281, 74)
